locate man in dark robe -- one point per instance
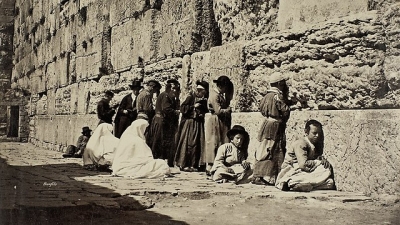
(144, 101)
(161, 135)
(127, 112)
(104, 111)
(275, 107)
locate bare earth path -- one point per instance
(40, 187)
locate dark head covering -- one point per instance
(173, 82)
(109, 93)
(156, 84)
(136, 84)
(86, 130)
(223, 80)
(203, 84)
(237, 129)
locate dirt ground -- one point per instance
(217, 209)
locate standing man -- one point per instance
(144, 101)
(127, 112)
(161, 135)
(275, 107)
(104, 111)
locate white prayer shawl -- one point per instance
(101, 146)
(133, 157)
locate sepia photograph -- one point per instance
(200, 112)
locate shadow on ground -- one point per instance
(48, 194)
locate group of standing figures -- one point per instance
(211, 145)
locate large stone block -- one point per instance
(89, 59)
(63, 101)
(177, 25)
(244, 20)
(51, 101)
(227, 56)
(83, 96)
(126, 78)
(131, 9)
(164, 70)
(295, 14)
(200, 66)
(51, 76)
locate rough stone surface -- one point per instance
(244, 20)
(295, 14)
(335, 65)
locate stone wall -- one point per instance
(67, 53)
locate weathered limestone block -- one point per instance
(38, 81)
(164, 70)
(334, 65)
(364, 158)
(96, 92)
(131, 10)
(200, 66)
(83, 95)
(41, 106)
(74, 96)
(133, 42)
(24, 83)
(62, 71)
(244, 20)
(294, 14)
(186, 83)
(63, 101)
(228, 60)
(126, 78)
(51, 76)
(51, 101)
(89, 60)
(177, 25)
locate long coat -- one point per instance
(122, 120)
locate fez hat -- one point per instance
(86, 130)
(222, 80)
(203, 84)
(276, 77)
(136, 84)
(237, 129)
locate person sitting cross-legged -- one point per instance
(230, 162)
(304, 168)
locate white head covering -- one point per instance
(133, 157)
(101, 143)
(136, 129)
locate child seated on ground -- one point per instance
(304, 168)
(230, 162)
(77, 151)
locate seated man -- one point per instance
(230, 162)
(304, 167)
(77, 151)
